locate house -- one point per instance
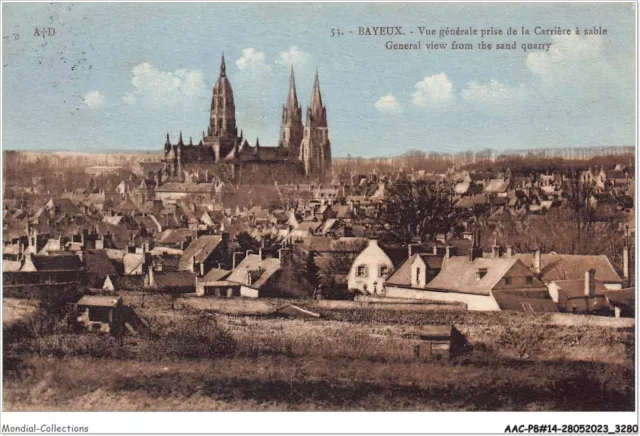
(100, 314)
(415, 272)
(550, 267)
(214, 283)
(472, 281)
(202, 253)
(255, 277)
(58, 207)
(370, 269)
(580, 296)
(55, 263)
(496, 186)
(622, 302)
(170, 282)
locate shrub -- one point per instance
(525, 340)
(199, 337)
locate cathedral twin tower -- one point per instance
(303, 151)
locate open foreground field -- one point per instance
(209, 354)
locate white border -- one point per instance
(322, 422)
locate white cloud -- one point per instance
(568, 54)
(579, 71)
(493, 92)
(164, 86)
(93, 99)
(388, 104)
(433, 90)
(252, 61)
(294, 56)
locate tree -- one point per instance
(418, 209)
(247, 242)
(333, 268)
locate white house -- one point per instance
(370, 269)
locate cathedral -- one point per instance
(303, 153)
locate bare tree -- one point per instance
(421, 208)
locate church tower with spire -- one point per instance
(292, 129)
(222, 124)
(302, 154)
(315, 152)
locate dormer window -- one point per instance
(529, 280)
(480, 273)
(507, 281)
(418, 276)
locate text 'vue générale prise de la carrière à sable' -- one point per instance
(464, 32)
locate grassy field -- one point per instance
(208, 354)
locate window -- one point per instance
(507, 281)
(384, 270)
(529, 280)
(361, 271)
(418, 276)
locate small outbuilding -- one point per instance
(437, 342)
(100, 314)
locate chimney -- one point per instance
(260, 252)
(447, 251)
(435, 249)
(625, 262)
(509, 251)
(152, 279)
(589, 283)
(537, 261)
(248, 276)
(201, 269)
(409, 249)
(495, 249)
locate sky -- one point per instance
(120, 76)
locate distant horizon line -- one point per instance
(620, 149)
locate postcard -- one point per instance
(319, 207)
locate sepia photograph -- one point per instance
(319, 207)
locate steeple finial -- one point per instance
(168, 140)
(180, 139)
(190, 140)
(223, 67)
(292, 101)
